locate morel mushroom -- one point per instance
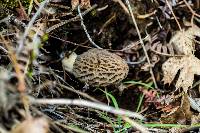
(97, 67)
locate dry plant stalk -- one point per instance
(86, 103)
(142, 43)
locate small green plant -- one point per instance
(115, 124)
(146, 85)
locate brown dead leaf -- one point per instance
(188, 66)
(85, 4)
(183, 41)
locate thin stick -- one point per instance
(86, 103)
(79, 93)
(174, 15)
(77, 18)
(85, 29)
(73, 43)
(193, 12)
(122, 5)
(165, 54)
(141, 42)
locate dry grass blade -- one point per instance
(77, 18)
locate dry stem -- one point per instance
(174, 15)
(85, 29)
(141, 42)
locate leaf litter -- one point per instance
(188, 64)
(51, 82)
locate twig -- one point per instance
(170, 8)
(75, 44)
(85, 29)
(79, 93)
(146, 15)
(77, 18)
(165, 54)
(86, 103)
(70, 88)
(107, 23)
(141, 42)
(61, 24)
(122, 5)
(193, 12)
(159, 23)
(102, 8)
(6, 51)
(30, 24)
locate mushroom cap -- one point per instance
(98, 67)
